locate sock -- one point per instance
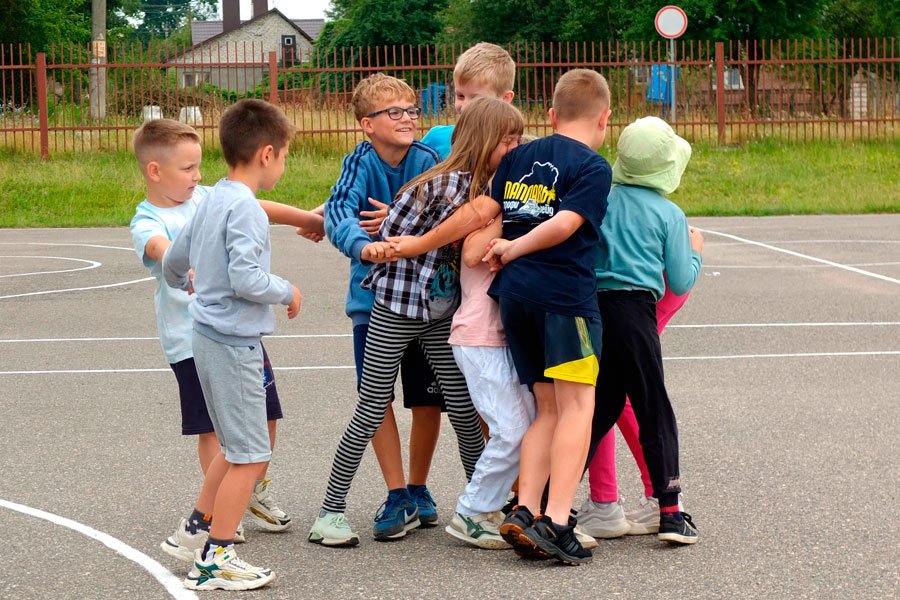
(209, 549)
(399, 492)
(198, 521)
(670, 510)
(412, 488)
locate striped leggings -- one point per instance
(389, 335)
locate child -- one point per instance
(228, 244)
(485, 69)
(169, 154)
(645, 242)
(602, 515)
(415, 298)
(377, 169)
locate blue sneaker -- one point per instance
(396, 516)
(428, 516)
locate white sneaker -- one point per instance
(182, 544)
(225, 572)
(587, 541)
(264, 512)
(644, 520)
(332, 529)
(479, 530)
(239, 537)
(605, 520)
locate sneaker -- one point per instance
(397, 515)
(586, 540)
(182, 544)
(677, 528)
(479, 530)
(644, 520)
(264, 512)
(427, 506)
(511, 530)
(511, 503)
(332, 529)
(558, 541)
(239, 537)
(605, 520)
(225, 572)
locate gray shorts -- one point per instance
(232, 382)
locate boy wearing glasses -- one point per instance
(370, 177)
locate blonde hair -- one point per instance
(250, 124)
(376, 89)
(580, 94)
(155, 138)
(487, 64)
(480, 129)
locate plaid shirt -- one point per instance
(425, 287)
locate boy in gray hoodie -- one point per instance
(227, 244)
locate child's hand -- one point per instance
(294, 307)
(498, 253)
(314, 231)
(406, 246)
(372, 224)
(696, 240)
(377, 252)
(190, 289)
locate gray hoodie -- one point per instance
(227, 244)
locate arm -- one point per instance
(156, 247)
(477, 242)
(682, 255)
(470, 217)
(342, 209)
(306, 222)
(176, 262)
(245, 236)
(550, 233)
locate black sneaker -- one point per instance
(558, 541)
(518, 520)
(507, 508)
(677, 528)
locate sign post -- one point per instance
(671, 23)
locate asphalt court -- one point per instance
(783, 368)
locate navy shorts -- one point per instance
(194, 415)
(420, 387)
(547, 346)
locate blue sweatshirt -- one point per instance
(643, 236)
(364, 175)
(227, 243)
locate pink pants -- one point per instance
(602, 470)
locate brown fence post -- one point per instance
(720, 90)
(43, 114)
(273, 77)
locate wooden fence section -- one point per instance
(725, 92)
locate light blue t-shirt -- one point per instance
(438, 137)
(173, 321)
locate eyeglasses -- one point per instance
(396, 113)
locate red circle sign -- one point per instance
(671, 22)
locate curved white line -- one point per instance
(160, 573)
(79, 289)
(788, 242)
(92, 264)
(806, 256)
(767, 267)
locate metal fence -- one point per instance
(724, 92)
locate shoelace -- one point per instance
(425, 495)
(389, 507)
(339, 521)
(687, 519)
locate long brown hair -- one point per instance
(481, 128)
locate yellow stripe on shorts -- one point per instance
(583, 370)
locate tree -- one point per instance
(160, 20)
(44, 22)
(386, 22)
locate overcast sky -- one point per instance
(295, 9)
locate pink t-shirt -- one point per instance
(477, 320)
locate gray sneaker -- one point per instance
(264, 512)
(605, 520)
(182, 544)
(332, 529)
(479, 530)
(644, 520)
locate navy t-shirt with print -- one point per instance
(532, 184)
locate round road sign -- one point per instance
(671, 22)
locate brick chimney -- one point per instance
(260, 7)
(231, 15)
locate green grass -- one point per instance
(759, 178)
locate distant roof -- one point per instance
(203, 30)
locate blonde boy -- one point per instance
(485, 69)
(228, 244)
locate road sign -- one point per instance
(671, 22)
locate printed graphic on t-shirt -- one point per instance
(444, 292)
(268, 373)
(532, 199)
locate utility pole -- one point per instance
(98, 57)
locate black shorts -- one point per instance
(194, 415)
(420, 387)
(547, 346)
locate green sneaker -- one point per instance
(332, 529)
(479, 530)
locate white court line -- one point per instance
(806, 256)
(92, 264)
(767, 267)
(336, 367)
(67, 244)
(78, 289)
(789, 242)
(172, 584)
(141, 339)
